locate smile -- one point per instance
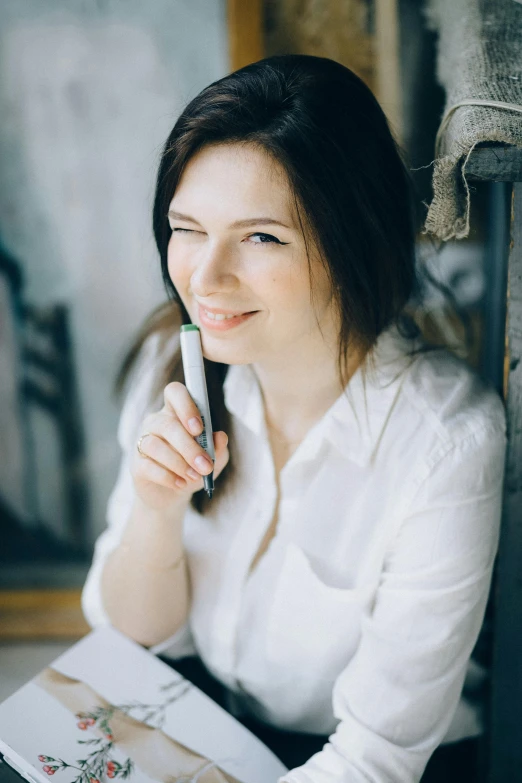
(222, 322)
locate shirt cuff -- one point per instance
(354, 754)
(179, 645)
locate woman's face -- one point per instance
(237, 246)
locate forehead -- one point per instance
(238, 178)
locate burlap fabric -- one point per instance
(479, 59)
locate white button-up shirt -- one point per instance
(360, 618)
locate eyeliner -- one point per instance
(194, 371)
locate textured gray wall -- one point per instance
(88, 93)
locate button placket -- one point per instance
(244, 546)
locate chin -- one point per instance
(225, 354)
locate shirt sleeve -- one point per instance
(397, 696)
(138, 402)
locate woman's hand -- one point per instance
(169, 473)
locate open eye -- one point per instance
(265, 239)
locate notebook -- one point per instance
(109, 710)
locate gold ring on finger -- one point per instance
(138, 444)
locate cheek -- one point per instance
(296, 284)
(178, 265)
(289, 281)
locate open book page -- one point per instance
(109, 709)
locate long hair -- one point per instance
(351, 189)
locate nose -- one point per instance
(214, 271)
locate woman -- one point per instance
(331, 592)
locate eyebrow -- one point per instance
(255, 221)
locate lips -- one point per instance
(224, 324)
(221, 312)
(217, 311)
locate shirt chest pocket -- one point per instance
(310, 621)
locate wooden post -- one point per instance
(506, 684)
(388, 80)
(245, 32)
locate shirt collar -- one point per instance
(355, 421)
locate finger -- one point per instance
(170, 429)
(222, 453)
(155, 448)
(178, 399)
(157, 474)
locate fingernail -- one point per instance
(203, 463)
(192, 473)
(194, 425)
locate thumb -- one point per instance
(221, 449)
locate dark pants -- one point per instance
(457, 762)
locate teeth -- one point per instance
(218, 316)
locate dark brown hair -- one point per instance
(351, 188)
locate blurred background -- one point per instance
(89, 90)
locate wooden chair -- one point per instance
(43, 367)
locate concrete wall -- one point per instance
(88, 93)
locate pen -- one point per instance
(194, 370)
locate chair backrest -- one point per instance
(12, 424)
(40, 419)
(50, 384)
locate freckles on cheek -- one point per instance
(176, 268)
(172, 274)
(170, 260)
